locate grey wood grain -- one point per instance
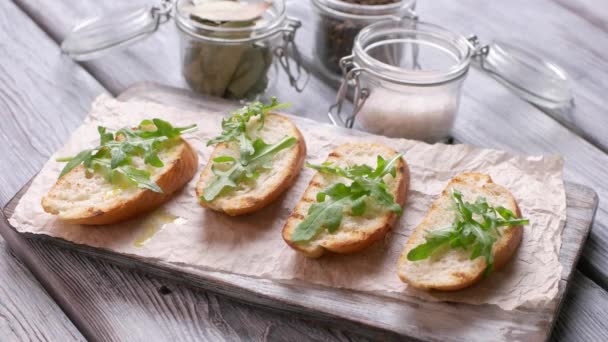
(154, 59)
(32, 64)
(70, 89)
(581, 305)
(24, 304)
(491, 116)
(339, 306)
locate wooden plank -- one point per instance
(155, 59)
(36, 121)
(338, 306)
(585, 302)
(25, 303)
(491, 116)
(43, 97)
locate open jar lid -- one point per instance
(95, 37)
(416, 53)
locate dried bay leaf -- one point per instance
(225, 11)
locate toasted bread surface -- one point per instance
(252, 196)
(355, 233)
(452, 269)
(79, 199)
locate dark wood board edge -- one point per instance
(569, 272)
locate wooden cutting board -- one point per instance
(413, 318)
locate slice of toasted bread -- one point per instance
(286, 165)
(452, 269)
(79, 199)
(356, 232)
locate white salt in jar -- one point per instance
(407, 78)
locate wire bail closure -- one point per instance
(351, 72)
(300, 72)
(162, 12)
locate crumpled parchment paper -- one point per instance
(252, 245)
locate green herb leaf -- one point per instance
(426, 249)
(138, 177)
(115, 151)
(223, 181)
(224, 159)
(367, 184)
(75, 161)
(320, 215)
(234, 128)
(475, 228)
(103, 136)
(248, 167)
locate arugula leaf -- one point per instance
(141, 178)
(224, 159)
(433, 243)
(234, 128)
(103, 136)
(325, 214)
(75, 161)
(115, 151)
(223, 181)
(247, 167)
(475, 228)
(367, 183)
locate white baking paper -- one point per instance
(252, 245)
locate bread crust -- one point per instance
(503, 250)
(251, 204)
(364, 238)
(178, 174)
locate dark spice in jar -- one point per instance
(335, 37)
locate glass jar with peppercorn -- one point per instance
(341, 20)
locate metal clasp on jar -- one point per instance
(351, 72)
(162, 12)
(298, 73)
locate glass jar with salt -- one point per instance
(230, 48)
(407, 77)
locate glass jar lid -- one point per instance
(529, 75)
(99, 35)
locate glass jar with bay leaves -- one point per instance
(232, 51)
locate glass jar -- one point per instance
(236, 60)
(407, 77)
(339, 22)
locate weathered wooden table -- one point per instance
(48, 293)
